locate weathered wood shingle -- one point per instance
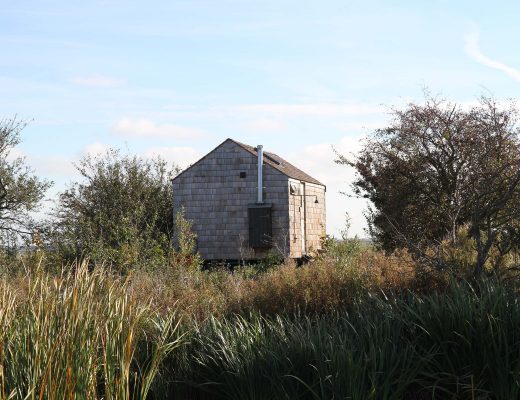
(218, 190)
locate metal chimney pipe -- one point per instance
(260, 153)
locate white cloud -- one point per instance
(265, 125)
(53, 166)
(320, 109)
(48, 166)
(274, 110)
(103, 81)
(14, 154)
(95, 149)
(61, 166)
(360, 126)
(182, 156)
(147, 128)
(318, 161)
(473, 50)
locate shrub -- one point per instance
(119, 214)
(185, 255)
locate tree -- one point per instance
(437, 168)
(20, 190)
(121, 213)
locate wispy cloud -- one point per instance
(318, 160)
(321, 109)
(360, 126)
(103, 81)
(473, 49)
(265, 125)
(95, 149)
(54, 166)
(148, 128)
(182, 156)
(273, 111)
(15, 154)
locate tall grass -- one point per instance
(474, 331)
(309, 358)
(79, 336)
(462, 343)
(366, 327)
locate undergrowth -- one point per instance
(352, 324)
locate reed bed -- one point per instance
(463, 343)
(363, 326)
(79, 335)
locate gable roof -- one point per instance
(280, 164)
(271, 159)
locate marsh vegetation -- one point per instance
(101, 305)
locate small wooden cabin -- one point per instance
(244, 202)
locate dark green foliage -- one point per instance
(463, 343)
(341, 252)
(269, 262)
(473, 331)
(120, 213)
(437, 168)
(324, 358)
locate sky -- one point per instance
(176, 78)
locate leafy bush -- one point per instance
(185, 255)
(120, 214)
(437, 167)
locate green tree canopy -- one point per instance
(120, 213)
(438, 167)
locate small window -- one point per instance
(242, 174)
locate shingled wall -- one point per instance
(314, 213)
(216, 199)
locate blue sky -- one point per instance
(176, 78)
